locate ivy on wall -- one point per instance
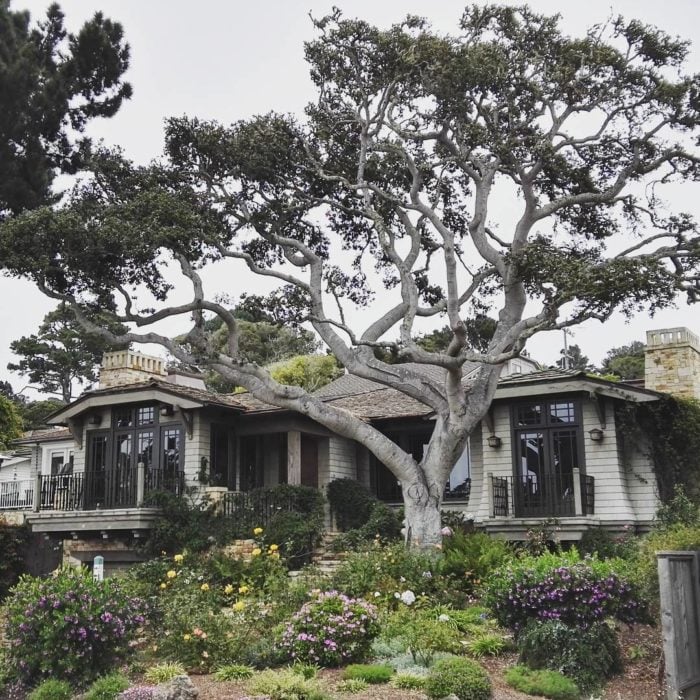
(670, 431)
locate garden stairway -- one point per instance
(324, 557)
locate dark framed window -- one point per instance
(547, 447)
(388, 488)
(135, 436)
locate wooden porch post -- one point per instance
(294, 457)
(578, 501)
(140, 484)
(489, 493)
(36, 502)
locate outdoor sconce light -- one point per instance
(166, 410)
(494, 441)
(596, 434)
(95, 419)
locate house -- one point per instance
(548, 448)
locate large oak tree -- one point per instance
(389, 197)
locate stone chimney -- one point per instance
(672, 362)
(123, 367)
(183, 378)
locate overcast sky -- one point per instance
(228, 59)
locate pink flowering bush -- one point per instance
(330, 630)
(69, 627)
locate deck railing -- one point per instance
(17, 494)
(119, 487)
(559, 495)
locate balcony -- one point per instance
(552, 496)
(111, 489)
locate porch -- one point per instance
(111, 489)
(560, 495)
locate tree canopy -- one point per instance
(384, 201)
(63, 351)
(626, 361)
(52, 83)
(10, 422)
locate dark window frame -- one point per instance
(551, 489)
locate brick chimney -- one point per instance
(672, 362)
(123, 367)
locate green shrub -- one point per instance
(162, 673)
(549, 684)
(469, 558)
(674, 538)
(13, 544)
(352, 685)
(423, 633)
(233, 672)
(486, 644)
(462, 677)
(285, 685)
(182, 524)
(107, 687)
(70, 627)
(330, 629)
(370, 673)
(350, 503)
(407, 681)
(587, 656)
(387, 570)
(297, 534)
(382, 526)
(305, 670)
(52, 690)
(600, 542)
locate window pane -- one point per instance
(218, 469)
(565, 452)
(171, 450)
(98, 453)
(124, 451)
(145, 448)
(562, 412)
(531, 459)
(122, 418)
(56, 462)
(145, 415)
(529, 414)
(459, 483)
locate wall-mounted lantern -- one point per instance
(494, 441)
(596, 434)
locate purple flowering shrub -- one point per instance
(330, 630)
(577, 592)
(68, 626)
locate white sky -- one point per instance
(229, 59)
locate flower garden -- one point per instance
(471, 619)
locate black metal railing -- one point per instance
(62, 492)
(500, 496)
(255, 508)
(588, 494)
(541, 496)
(164, 480)
(105, 489)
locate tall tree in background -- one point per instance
(63, 352)
(573, 358)
(627, 361)
(52, 83)
(10, 422)
(391, 188)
